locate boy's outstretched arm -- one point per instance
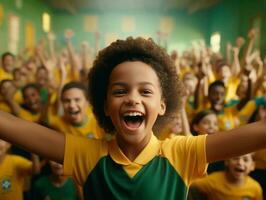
(32, 137)
(239, 141)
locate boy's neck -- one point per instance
(217, 108)
(82, 123)
(235, 181)
(130, 150)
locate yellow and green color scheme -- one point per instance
(163, 170)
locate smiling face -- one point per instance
(176, 124)
(75, 105)
(8, 63)
(217, 96)
(42, 77)
(32, 99)
(134, 100)
(239, 167)
(207, 125)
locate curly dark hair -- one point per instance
(131, 49)
(217, 83)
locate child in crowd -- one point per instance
(13, 171)
(56, 186)
(134, 90)
(231, 184)
(206, 122)
(8, 64)
(227, 118)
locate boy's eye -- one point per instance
(146, 92)
(119, 92)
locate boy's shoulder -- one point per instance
(253, 183)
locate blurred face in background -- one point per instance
(207, 125)
(20, 77)
(8, 63)
(217, 95)
(239, 167)
(176, 124)
(32, 99)
(75, 105)
(42, 76)
(224, 72)
(190, 82)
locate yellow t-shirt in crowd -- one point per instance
(228, 119)
(231, 88)
(89, 128)
(5, 107)
(166, 134)
(13, 171)
(5, 75)
(216, 187)
(27, 115)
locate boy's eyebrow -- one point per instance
(125, 84)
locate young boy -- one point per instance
(134, 90)
(234, 183)
(78, 118)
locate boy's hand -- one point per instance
(236, 51)
(252, 33)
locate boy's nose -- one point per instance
(72, 104)
(132, 99)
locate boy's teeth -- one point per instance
(133, 114)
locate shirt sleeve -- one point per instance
(23, 166)
(187, 154)
(81, 156)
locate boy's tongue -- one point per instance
(133, 124)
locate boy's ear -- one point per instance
(252, 167)
(162, 107)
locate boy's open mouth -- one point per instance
(133, 119)
(73, 113)
(239, 170)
